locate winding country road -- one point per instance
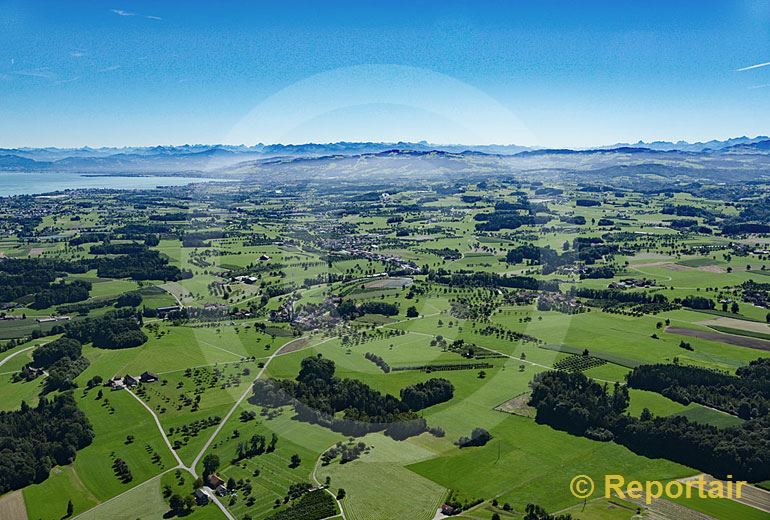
(10, 356)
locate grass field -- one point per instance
(140, 503)
(366, 479)
(373, 495)
(22, 328)
(698, 413)
(699, 262)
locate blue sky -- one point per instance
(537, 73)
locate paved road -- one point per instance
(243, 396)
(179, 462)
(318, 483)
(10, 356)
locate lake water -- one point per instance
(31, 183)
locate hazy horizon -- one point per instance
(331, 143)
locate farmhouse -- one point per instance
(49, 319)
(221, 490)
(164, 311)
(215, 481)
(130, 380)
(34, 372)
(148, 377)
(448, 510)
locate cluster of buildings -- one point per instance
(215, 484)
(129, 381)
(400, 263)
(312, 317)
(558, 302)
(631, 283)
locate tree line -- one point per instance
(574, 403)
(747, 394)
(484, 279)
(117, 329)
(318, 397)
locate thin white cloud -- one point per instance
(110, 68)
(77, 54)
(757, 66)
(42, 73)
(121, 12)
(759, 86)
(62, 81)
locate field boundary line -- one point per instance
(123, 493)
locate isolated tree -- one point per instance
(411, 312)
(210, 464)
(340, 493)
(295, 461)
(734, 308)
(70, 508)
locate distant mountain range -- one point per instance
(224, 159)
